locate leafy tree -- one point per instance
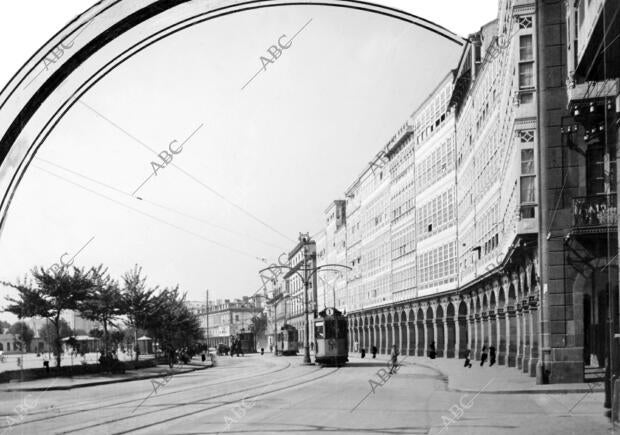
(258, 325)
(24, 334)
(173, 324)
(138, 301)
(48, 294)
(103, 302)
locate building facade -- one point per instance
(302, 261)
(227, 318)
(490, 218)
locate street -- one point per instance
(267, 394)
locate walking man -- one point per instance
(467, 358)
(491, 356)
(432, 353)
(484, 355)
(373, 350)
(394, 359)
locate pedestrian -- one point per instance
(232, 349)
(394, 359)
(484, 355)
(492, 356)
(262, 350)
(432, 353)
(373, 350)
(46, 363)
(467, 358)
(203, 355)
(356, 346)
(363, 352)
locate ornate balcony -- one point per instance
(594, 213)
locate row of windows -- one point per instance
(436, 165)
(404, 279)
(432, 114)
(436, 215)
(437, 266)
(403, 242)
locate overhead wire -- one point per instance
(188, 174)
(155, 218)
(164, 207)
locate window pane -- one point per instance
(526, 78)
(528, 190)
(525, 47)
(527, 161)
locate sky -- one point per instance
(254, 167)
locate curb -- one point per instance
(584, 390)
(98, 383)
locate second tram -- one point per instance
(288, 340)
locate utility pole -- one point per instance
(304, 241)
(207, 316)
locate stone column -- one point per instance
(519, 339)
(534, 333)
(525, 333)
(478, 320)
(525, 327)
(492, 331)
(511, 335)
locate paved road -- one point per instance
(277, 395)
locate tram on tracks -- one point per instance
(288, 340)
(246, 339)
(330, 338)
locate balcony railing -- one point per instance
(595, 211)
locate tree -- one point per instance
(103, 302)
(138, 301)
(258, 325)
(48, 294)
(173, 324)
(23, 333)
(50, 335)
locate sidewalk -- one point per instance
(81, 381)
(489, 380)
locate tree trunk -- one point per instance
(58, 342)
(105, 337)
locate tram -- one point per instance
(288, 340)
(247, 342)
(330, 338)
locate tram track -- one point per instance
(220, 405)
(73, 411)
(159, 410)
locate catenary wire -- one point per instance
(188, 174)
(164, 207)
(221, 245)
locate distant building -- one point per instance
(227, 318)
(301, 260)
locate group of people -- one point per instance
(236, 347)
(489, 353)
(373, 351)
